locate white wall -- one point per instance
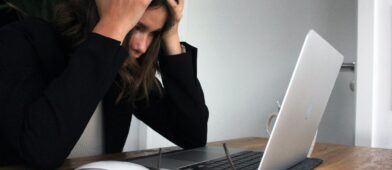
(247, 52)
(336, 21)
(374, 119)
(363, 130)
(383, 75)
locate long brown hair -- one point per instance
(74, 19)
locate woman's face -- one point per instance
(145, 30)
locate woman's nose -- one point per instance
(140, 43)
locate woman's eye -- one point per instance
(138, 28)
(155, 33)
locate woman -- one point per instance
(52, 77)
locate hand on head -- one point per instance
(177, 7)
(171, 39)
(118, 17)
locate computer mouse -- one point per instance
(111, 165)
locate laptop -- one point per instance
(302, 108)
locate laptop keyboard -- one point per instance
(245, 160)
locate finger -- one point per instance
(181, 2)
(149, 2)
(172, 3)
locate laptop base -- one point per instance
(243, 160)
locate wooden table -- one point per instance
(334, 156)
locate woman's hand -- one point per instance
(118, 17)
(171, 38)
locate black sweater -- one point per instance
(48, 95)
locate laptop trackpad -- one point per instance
(176, 160)
(194, 155)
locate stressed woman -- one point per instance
(54, 74)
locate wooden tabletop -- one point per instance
(333, 156)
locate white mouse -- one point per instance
(111, 165)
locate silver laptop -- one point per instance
(303, 106)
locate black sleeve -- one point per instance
(116, 119)
(181, 115)
(42, 132)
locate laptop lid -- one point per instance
(304, 103)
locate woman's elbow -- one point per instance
(194, 144)
(200, 143)
(197, 139)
